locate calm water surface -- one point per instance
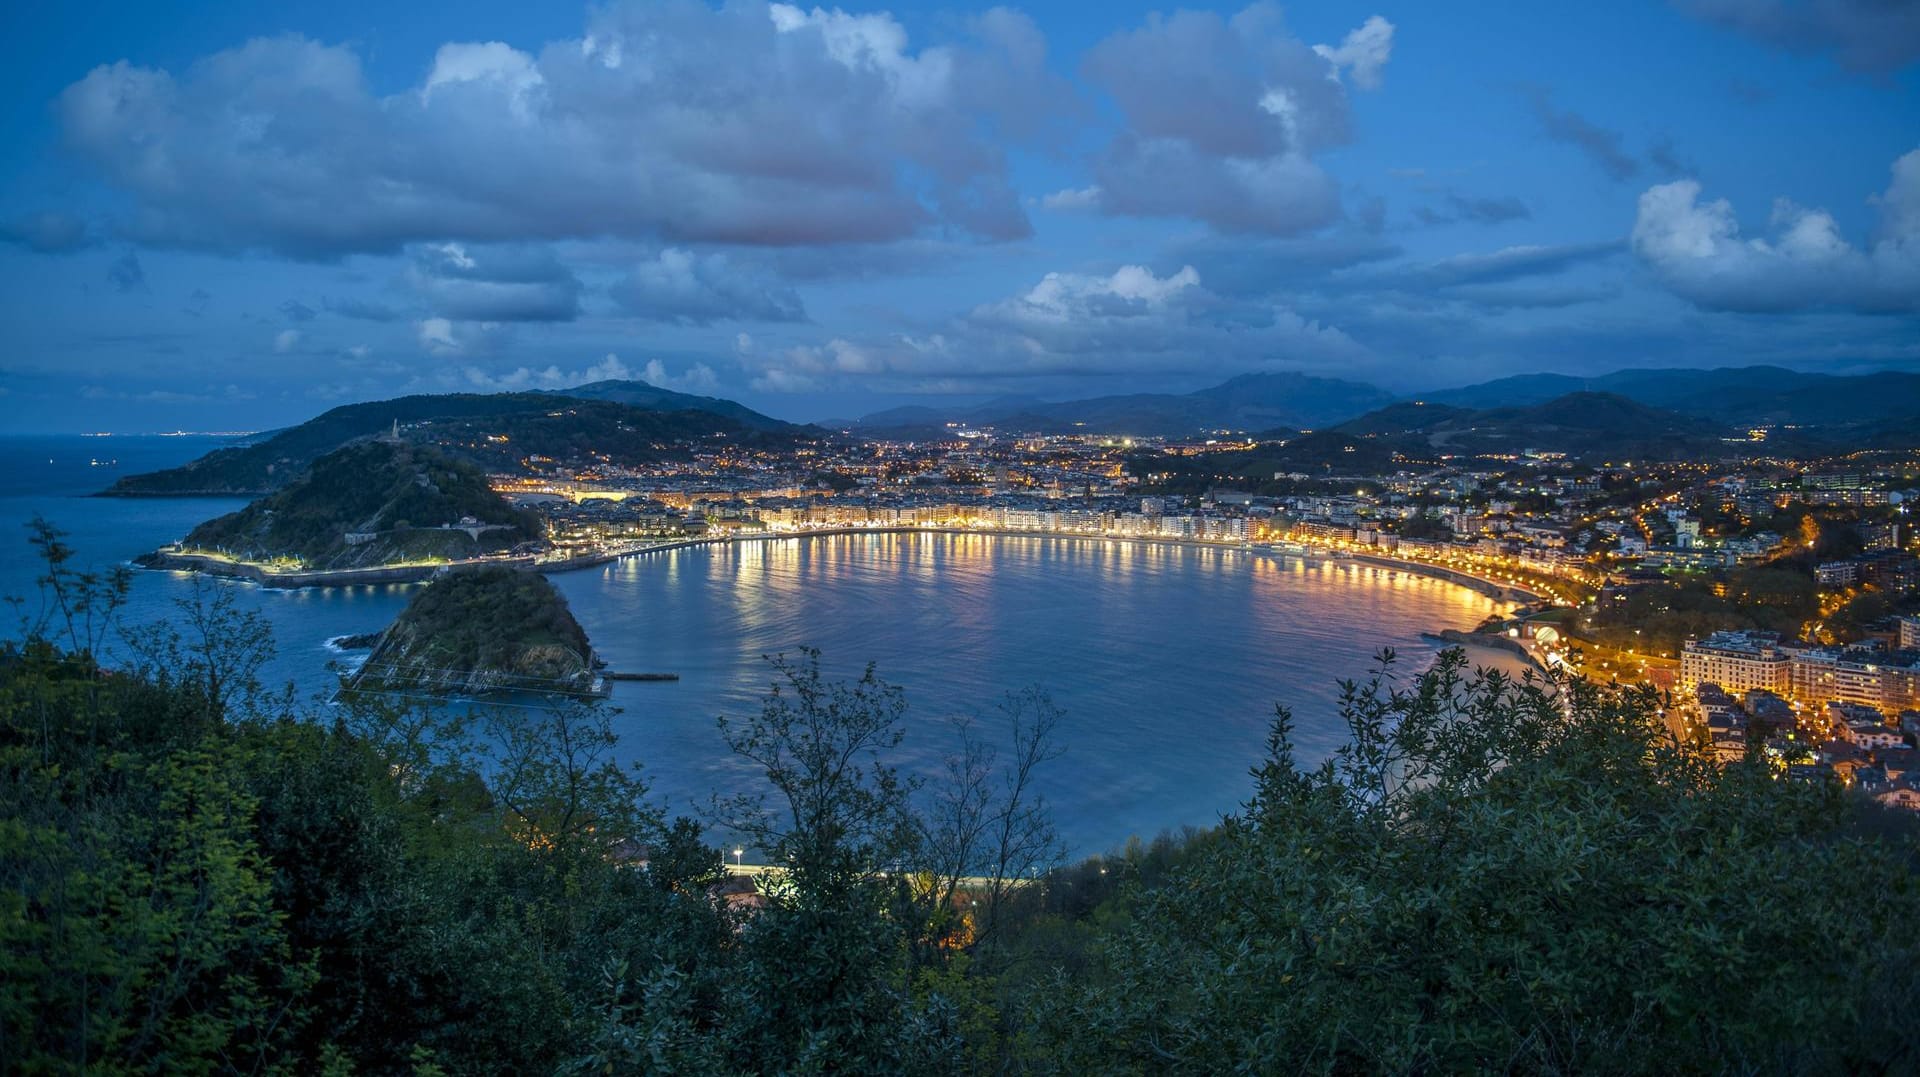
(1167, 660)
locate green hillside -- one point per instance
(463, 424)
(372, 503)
(479, 630)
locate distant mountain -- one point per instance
(1578, 424)
(642, 394)
(463, 423)
(372, 503)
(1743, 396)
(1401, 418)
(1248, 402)
(1582, 425)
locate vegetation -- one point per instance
(1779, 595)
(196, 877)
(648, 426)
(1593, 427)
(482, 629)
(1484, 881)
(372, 503)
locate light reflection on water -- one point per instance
(1168, 660)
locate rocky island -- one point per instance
(370, 506)
(486, 630)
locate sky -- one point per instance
(237, 220)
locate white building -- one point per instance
(1736, 661)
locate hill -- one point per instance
(1841, 408)
(1584, 426)
(1402, 418)
(372, 503)
(1581, 425)
(482, 630)
(651, 397)
(470, 425)
(1743, 396)
(1248, 402)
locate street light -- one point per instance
(737, 853)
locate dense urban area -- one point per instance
(1774, 598)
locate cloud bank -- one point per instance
(670, 121)
(1873, 36)
(1698, 250)
(1223, 119)
(1131, 321)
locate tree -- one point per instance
(989, 820)
(822, 976)
(1494, 875)
(76, 608)
(215, 649)
(839, 814)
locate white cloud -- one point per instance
(285, 341)
(682, 286)
(874, 43)
(698, 378)
(494, 283)
(1697, 249)
(1362, 53)
(665, 122)
(1129, 321)
(508, 70)
(1072, 198)
(1065, 296)
(1224, 119)
(436, 336)
(474, 378)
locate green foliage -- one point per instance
(461, 424)
(1426, 526)
(1490, 876)
(188, 884)
(480, 629)
(1494, 877)
(380, 488)
(1661, 617)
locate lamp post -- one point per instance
(737, 853)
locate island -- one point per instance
(379, 509)
(483, 631)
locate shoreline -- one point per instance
(253, 571)
(1472, 642)
(1490, 588)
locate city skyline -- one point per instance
(241, 221)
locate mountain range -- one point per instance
(1592, 427)
(1248, 402)
(1626, 413)
(1873, 407)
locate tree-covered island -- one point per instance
(482, 630)
(369, 504)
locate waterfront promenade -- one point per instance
(216, 564)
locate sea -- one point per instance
(1166, 661)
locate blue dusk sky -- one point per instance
(234, 216)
